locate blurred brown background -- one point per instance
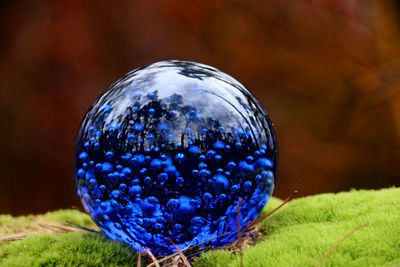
(327, 71)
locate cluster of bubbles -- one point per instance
(166, 153)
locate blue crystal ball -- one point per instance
(167, 151)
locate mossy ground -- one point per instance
(299, 234)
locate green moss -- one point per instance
(76, 249)
(299, 234)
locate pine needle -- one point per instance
(339, 242)
(154, 259)
(272, 211)
(239, 233)
(59, 228)
(183, 257)
(139, 262)
(191, 250)
(12, 238)
(82, 227)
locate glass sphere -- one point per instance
(167, 151)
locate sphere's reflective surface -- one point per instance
(168, 150)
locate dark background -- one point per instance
(326, 71)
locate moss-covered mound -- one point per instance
(299, 234)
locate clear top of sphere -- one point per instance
(168, 150)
